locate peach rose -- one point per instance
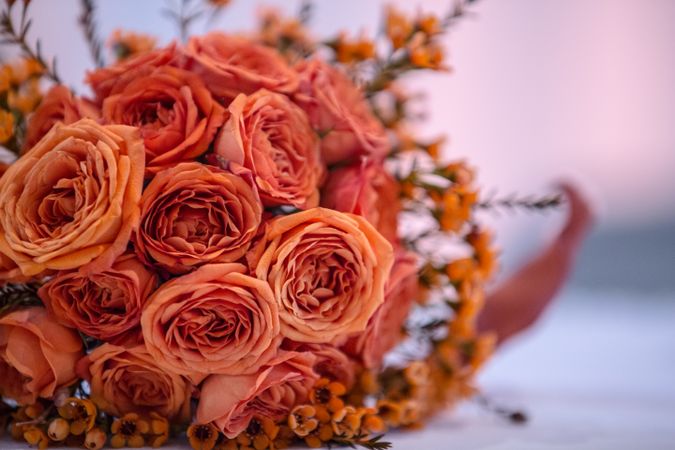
(271, 136)
(72, 200)
(193, 214)
(327, 270)
(337, 107)
(329, 361)
(125, 380)
(175, 112)
(58, 105)
(9, 271)
(385, 329)
(104, 79)
(232, 65)
(37, 355)
(104, 305)
(230, 402)
(216, 319)
(368, 190)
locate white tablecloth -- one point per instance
(597, 373)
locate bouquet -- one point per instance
(233, 238)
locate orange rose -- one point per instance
(125, 380)
(104, 80)
(72, 200)
(327, 270)
(329, 361)
(37, 355)
(368, 190)
(193, 214)
(175, 112)
(337, 107)
(272, 137)
(104, 305)
(231, 401)
(216, 319)
(58, 105)
(232, 65)
(385, 328)
(9, 271)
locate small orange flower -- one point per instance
(36, 436)
(481, 241)
(20, 416)
(368, 382)
(417, 373)
(81, 413)
(202, 436)
(429, 24)
(159, 430)
(390, 412)
(261, 434)
(424, 54)
(351, 51)
(285, 33)
(302, 421)
(6, 126)
(27, 97)
(410, 412)
(455, 206)
(371, 422)
(5, 78)
(483, 349)
(397, 27)
(433, 149)
(460, 270)
(448, 356)
(346, 422)
(126, 44)
(328, 393)
(128, 431)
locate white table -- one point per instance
(598, 373)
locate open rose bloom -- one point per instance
(215, 238)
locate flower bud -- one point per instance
(95, 439)
(58, 429)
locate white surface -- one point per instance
(596, 374)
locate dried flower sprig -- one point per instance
(88, 22)
(514, 416)
(528, 203)
(184, 13)
(289, 35)
(13, 296)
(374, 443)
(13, 34)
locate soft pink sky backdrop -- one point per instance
(541, 89)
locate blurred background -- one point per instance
(541, 90)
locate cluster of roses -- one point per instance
(217, 221)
